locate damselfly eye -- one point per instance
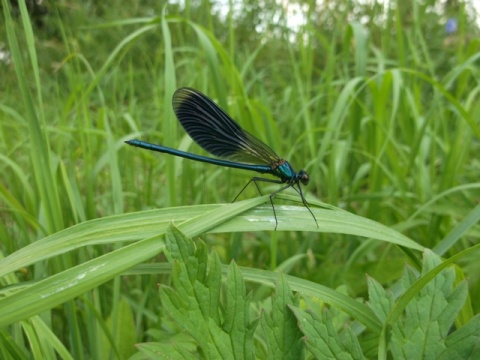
(304, 178)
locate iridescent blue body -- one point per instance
(216, 132)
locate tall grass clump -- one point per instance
(377, 103)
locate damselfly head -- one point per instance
(303, 177)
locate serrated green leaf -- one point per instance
(202, 257)
(163, 351)
(221, 345)
(186, 302)
(463, 343)
(454, 303)
(181, 249)
(321, 338)
(194, 300)
(212, 282)
(354, 308)
(352, 344)
(283, 337)
(187, 315)
(422, 332)
(237, 315)
(380, 301)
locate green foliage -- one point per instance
(282, 336)
(216, 314)
(377, 102)
(427, 330)
(323, 340)
(194, 302)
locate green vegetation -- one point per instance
(378, 104)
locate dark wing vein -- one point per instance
(216, 132)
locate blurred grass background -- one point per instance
(378, 102)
